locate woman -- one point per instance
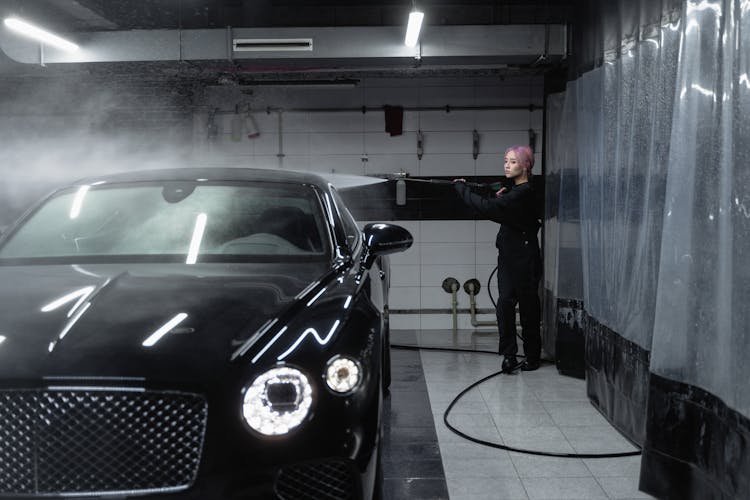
(518, 260)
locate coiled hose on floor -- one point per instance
(498, 445)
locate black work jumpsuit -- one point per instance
(519, 263)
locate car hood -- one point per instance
(163, 322)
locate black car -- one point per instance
(193, 333)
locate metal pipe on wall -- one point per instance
(451, 285)
(472, 287)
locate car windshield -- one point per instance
(174, 222)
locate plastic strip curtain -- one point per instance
(662, 146)
(623, 122)
(562, 241)
(554, 110)
(702, 313)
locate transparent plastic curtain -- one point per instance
(569, 281)
(554, 116)
(553, 166)
(702, 310)
(562, 242)
(624, 115)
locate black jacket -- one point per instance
(515, 211)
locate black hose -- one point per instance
(492, 299)
(498, 445)
(489, 290)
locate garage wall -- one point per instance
(353, 142)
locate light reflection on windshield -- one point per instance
(199, 221)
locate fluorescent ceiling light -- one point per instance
(412, 29)
(39, 34)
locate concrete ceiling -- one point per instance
(351, 37)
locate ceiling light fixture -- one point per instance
(31, 31)
(412, 29)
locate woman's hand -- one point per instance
(459, 180)
(501, 191)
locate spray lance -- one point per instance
(402, 177)
(495, 186)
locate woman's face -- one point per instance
(513, 167)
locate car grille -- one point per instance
(99, 441)
(327, 480)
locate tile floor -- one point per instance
(539, 410)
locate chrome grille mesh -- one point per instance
(84, 441)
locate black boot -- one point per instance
(530, 365)
(510, 363)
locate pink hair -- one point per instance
(524, 154)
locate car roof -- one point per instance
(210, 174)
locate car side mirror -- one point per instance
(383, 239)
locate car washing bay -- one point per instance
(636, 115)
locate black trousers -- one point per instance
(518, 283)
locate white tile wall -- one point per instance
(448, 253)
(432, 121)
(336, 122)
(434, 297)
(494, 142)
(292, 122)
(449, 164)
(382, 143)
(433, 276)
(338, 141)
(442, 231)
(403, 275)
(405, 297)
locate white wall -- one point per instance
(338, 142)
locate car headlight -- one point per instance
(277, 401)
(343, 374)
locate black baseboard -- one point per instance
(696, 447)
(570, 345)
(617, 377)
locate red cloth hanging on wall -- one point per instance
(394, 119)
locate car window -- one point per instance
(350, 226)
(199, 221)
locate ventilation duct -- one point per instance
(271, 44)
(454, 46)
